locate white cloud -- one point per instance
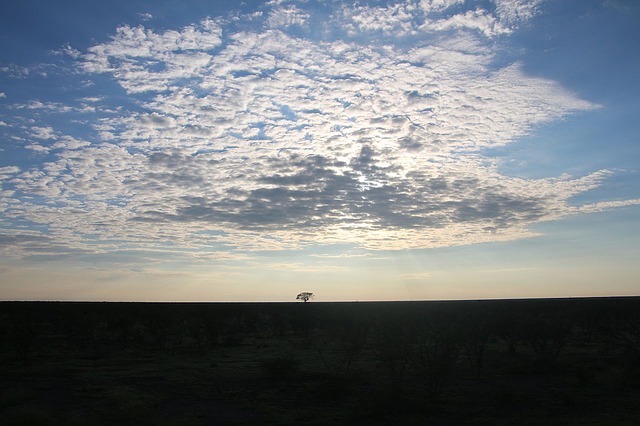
(69, 51)
(479, 20)
(514, 12)
(70, 143)
(419, 276)
(54, 107)
(16, 71)
(43, 132)
(183, 54)
(439, 5)
(287, 16)
(35, 71)
(406, 18)
(260, 140)
(38, 148)
(394, 18)
(304, 268)
(344, 255)
(92, 99)
(8, 171)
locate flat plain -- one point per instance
(494, 362)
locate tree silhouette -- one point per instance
(304, 296)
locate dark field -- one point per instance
(526, 362)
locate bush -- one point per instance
(435, 358)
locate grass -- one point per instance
(288, 378)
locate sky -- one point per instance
(377, 150)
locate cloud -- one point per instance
(38, 148)
(477, 20)
(53, 107)
(262, 137)
(156, 121)
(182, 54)
(438, 5)
(409, 18)
(421, 276)
(43, 133)
(36, 247)
(69, 51)
(393, 18)
(70, 143)
(287, 16)
(16, 71)
(514, 12)
(304, 268)
(341, 255)
(9, 170)
(21, 72)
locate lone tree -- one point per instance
(304, 296)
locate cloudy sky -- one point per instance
(382, 150)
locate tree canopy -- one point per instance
(304, 296)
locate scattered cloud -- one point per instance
(21, 72)
(16, 71)
(69, 51)
(514, 12)
(9, 170)
(37, 148)
(305, 268)
(134, 54)
(70, 143)
(53, 107)
(393, 18)
(342, 255)
(476, 20)
(43, 133)
(421, 276)
(287, 16)
(268, 138)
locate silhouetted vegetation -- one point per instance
(304, 296)
(561, 361)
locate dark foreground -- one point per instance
(526, 362)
